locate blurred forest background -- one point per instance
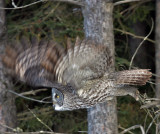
(60, 21)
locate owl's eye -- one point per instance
(56, 96)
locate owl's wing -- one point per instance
(23, 59)
(86, 60)
(43, 63)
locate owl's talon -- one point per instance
(137, 95)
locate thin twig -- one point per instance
(124, 129)
(26, 115)
(128, 1)
(28, 5)
(153, 83)
(82, 132)
(133, 7)
(40, 120)
(135, 36)
(78, 2)
(13, 4)
(142, 99)
(152, 99)
(152, 122)
(51, 12)
(151, 104)
(33, 92)
(133, 127)
(40, 101)
(145, 120)
(124, 1)
(5, 126)
(75, 2)
(141, 44)
(38, 132)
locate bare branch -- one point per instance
(152, 122)
(135, 36)
(134, 127)
(141, 44)
(40, 120)
(13, 4)
(19, 130)
(40, 101)
(124, 1)
(124, 129)
(39, 132)
(26, 115)
(151, 104)
(5, 126)
(76, 2)
(127, 1)
(33, 92)
(15, 7)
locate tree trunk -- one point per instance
(158, 48)
(157, 52)
(98, 25)
(7, 105)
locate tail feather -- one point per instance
(133, 77)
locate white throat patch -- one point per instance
(58, 108)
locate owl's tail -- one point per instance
(132, 77)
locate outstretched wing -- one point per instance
(24, 58)
(42, 63)
(86, 60)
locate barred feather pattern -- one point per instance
(32, 61)
(131, 77)
(24, 60)
(83, 62)
(80, 73)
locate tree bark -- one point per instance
(98, 25)
(157, 53)
(7, 105)
(157, 48)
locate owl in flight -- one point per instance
(79, 76)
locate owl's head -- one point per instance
(64, 98)
(57, 99)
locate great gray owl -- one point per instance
(79, 76)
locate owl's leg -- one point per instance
(127, 90)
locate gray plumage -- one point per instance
(79, 76)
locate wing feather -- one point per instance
(26, 62)
(85, 61)
(40, 62)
